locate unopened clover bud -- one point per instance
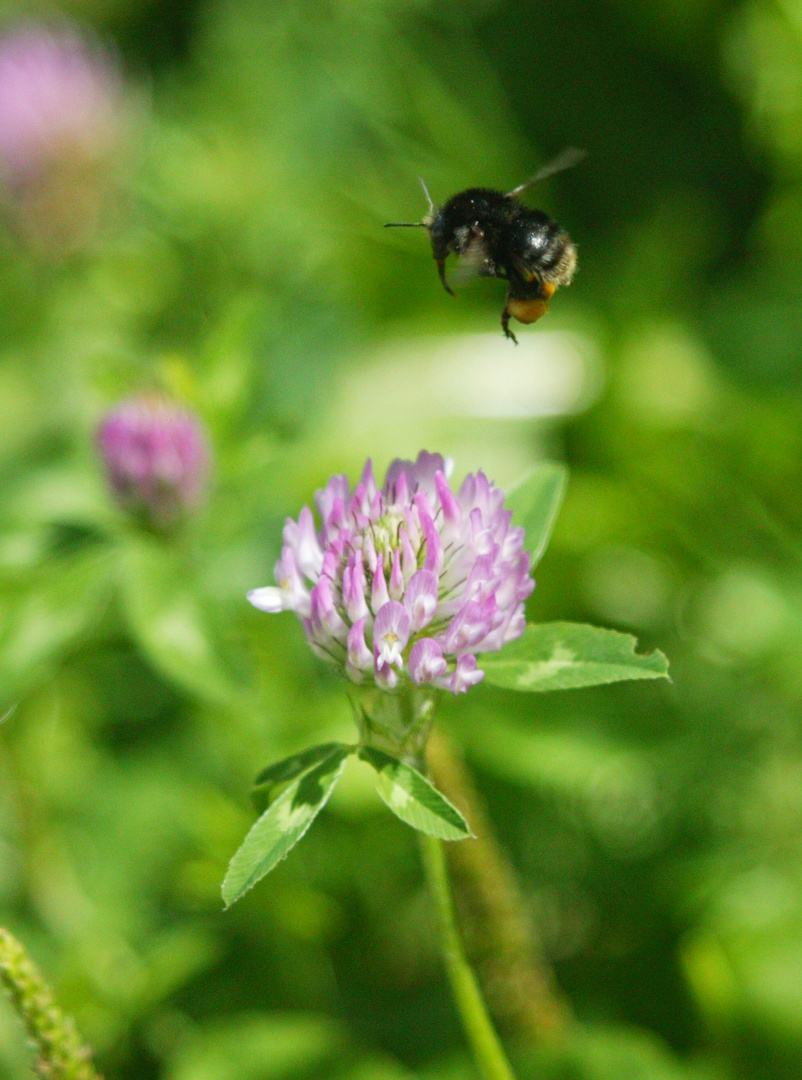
(157, 460)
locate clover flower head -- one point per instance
(408, 582)
(58, 96)
(157, 459)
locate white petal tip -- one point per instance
(268, 599)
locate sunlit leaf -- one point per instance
(283, 825)
(563, 656)
(535, 503)
(167, 619)
(610, 1052)
(376, 1068)
(414, 799)
(44, 623)
(68, 494)
(276, 776)
(610, 784)
(258, 1046)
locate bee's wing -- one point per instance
(473, 262)
(566, 160)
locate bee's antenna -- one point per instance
(426, 193)
(566, 160)
(416, 224)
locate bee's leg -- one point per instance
(505, 324)
(441, 270)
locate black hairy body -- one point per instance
(506, 240)
(502, 238)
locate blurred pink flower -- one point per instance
(157, 459)
(407, 582)
(59, 96)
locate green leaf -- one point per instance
(68, 494)
(535, 502)
(563, 656)
(277, 776)
(582, 766)
(259, 1046)
(414, 799)
(167, 618)
(58, 609)
(283, 824)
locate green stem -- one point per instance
(485, 1043)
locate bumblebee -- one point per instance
(501, 238)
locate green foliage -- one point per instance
(242, 268)
(293, 791)
(283, 824)
(607, 1053)
(535, 502)
(565, 656)
(51, 616)
(274, 777)
(61, 1054)
(413, 798)
(253, 1047)
(165, 613)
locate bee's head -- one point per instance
(440, 232)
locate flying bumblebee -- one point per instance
(501, 238)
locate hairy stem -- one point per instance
(485, 1044)
(61, 1053)
(501, 939)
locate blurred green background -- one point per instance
(241, 267)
